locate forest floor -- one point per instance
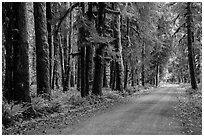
(189, 109)
(65, 109)
(164, 110)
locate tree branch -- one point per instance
(63, 17)
(178, 29)
(112, 11)
(184, 36)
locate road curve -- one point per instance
(148, 115)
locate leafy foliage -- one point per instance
(12, 113)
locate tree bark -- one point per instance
(67, 51)
(9, 24)
(105, 82)
(89, 54)
(98, 59)
(42, 50)
(190, 50)
(21, 57)
(118, 47)
(56, 37)
(61, 51)
(126, 62)
(143, 59)
(49, 13)
(132, 77)
(112, 78)
(157, 75)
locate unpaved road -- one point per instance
(148, 115)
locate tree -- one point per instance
(126, 62)
(189, 14)
(42, 50)
(18, 48)
(9, 15)
(67, 51)
(99, 53)
(118, 47)
(49, 16)
(56, 50)
(190, 50)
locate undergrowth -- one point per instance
(63, 103)
(190, 110)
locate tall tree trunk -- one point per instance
(126, 62)
(42, 50)
(105, 82)
(112, 75)
(61, 61)
(132, 77)
(83, 68)
(81, 41)
(49, 13)
(18, 49)
(118, 47)
(79, 70)
(9, 25)
(98, 59)
(56, 37)
(190, 50)
(126, 75)
(157, 75)
(73, 71)
(67, 51)
(89, 54)
(21, 60)
(143, 59)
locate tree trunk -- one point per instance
(132, 77)
(105, 82)
(83, 68)
(112, 80)
(98, 59)
(157, 75)
(118, 47)
(21, 73)
(79, 70)
(8, 27)
(143, 59)
(190, 50)
(61, 61)
(89, 54)
(49, 13)
(126, 62)
(67, 51)
(42, 50)
(55, 78)
(73, 71)
(126, 75)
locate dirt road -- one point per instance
(151, 114)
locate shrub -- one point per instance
(44, 107)
(12, 113)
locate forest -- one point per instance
(54, 53)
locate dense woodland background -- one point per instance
(60, 46)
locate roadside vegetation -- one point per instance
(64, 109)
(190, 109)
